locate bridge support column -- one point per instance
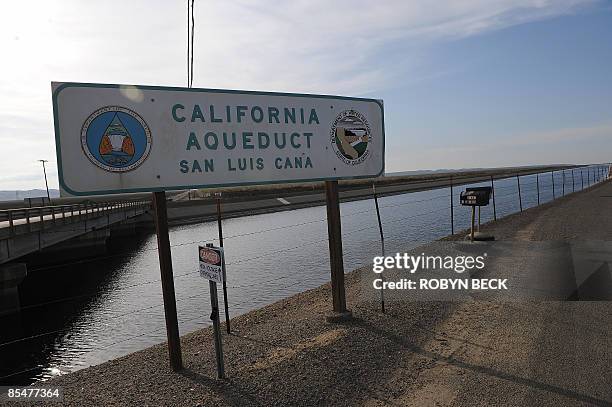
(11, 275)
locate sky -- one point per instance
(465, 83)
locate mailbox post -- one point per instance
(476, 197)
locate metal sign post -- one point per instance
(476, 197)
(211, 268)
(472, 230)
(220, 229)
(214, 316)
(167, 280)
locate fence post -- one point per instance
(518, 183)
(563, 185)
(538, 187)
(581, 180)
(552, 176)
(334, 232)
(451, 206)
(573, 184)
(167, 280)
(493, 193)
(220, 232)
(588, 177)
(382, 244)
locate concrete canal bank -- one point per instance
(540, 349)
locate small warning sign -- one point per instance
(211, 263)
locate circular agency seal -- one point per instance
(351, 137)
(116, 139)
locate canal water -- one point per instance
(86, 312)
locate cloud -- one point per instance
(354, 47)
(322, 46)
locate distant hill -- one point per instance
(30, 193)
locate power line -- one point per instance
(192, 43)
(188, 45)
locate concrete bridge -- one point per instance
(28, 230)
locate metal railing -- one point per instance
(26, 220)
(581, 177)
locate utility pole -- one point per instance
(46, 183)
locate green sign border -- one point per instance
(177, 89)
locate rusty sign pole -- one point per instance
(220, 229)
(167, 280)
(214, 316)
(334, 232)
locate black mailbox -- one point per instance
(478, 196)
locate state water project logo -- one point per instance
(116, 139)
(351, 137)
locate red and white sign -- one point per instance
(211, 263)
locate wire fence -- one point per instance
(435, 210)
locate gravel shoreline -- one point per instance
(418, 353)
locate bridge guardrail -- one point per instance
(23, 219)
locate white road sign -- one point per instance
(211, 263)
(119, 138)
